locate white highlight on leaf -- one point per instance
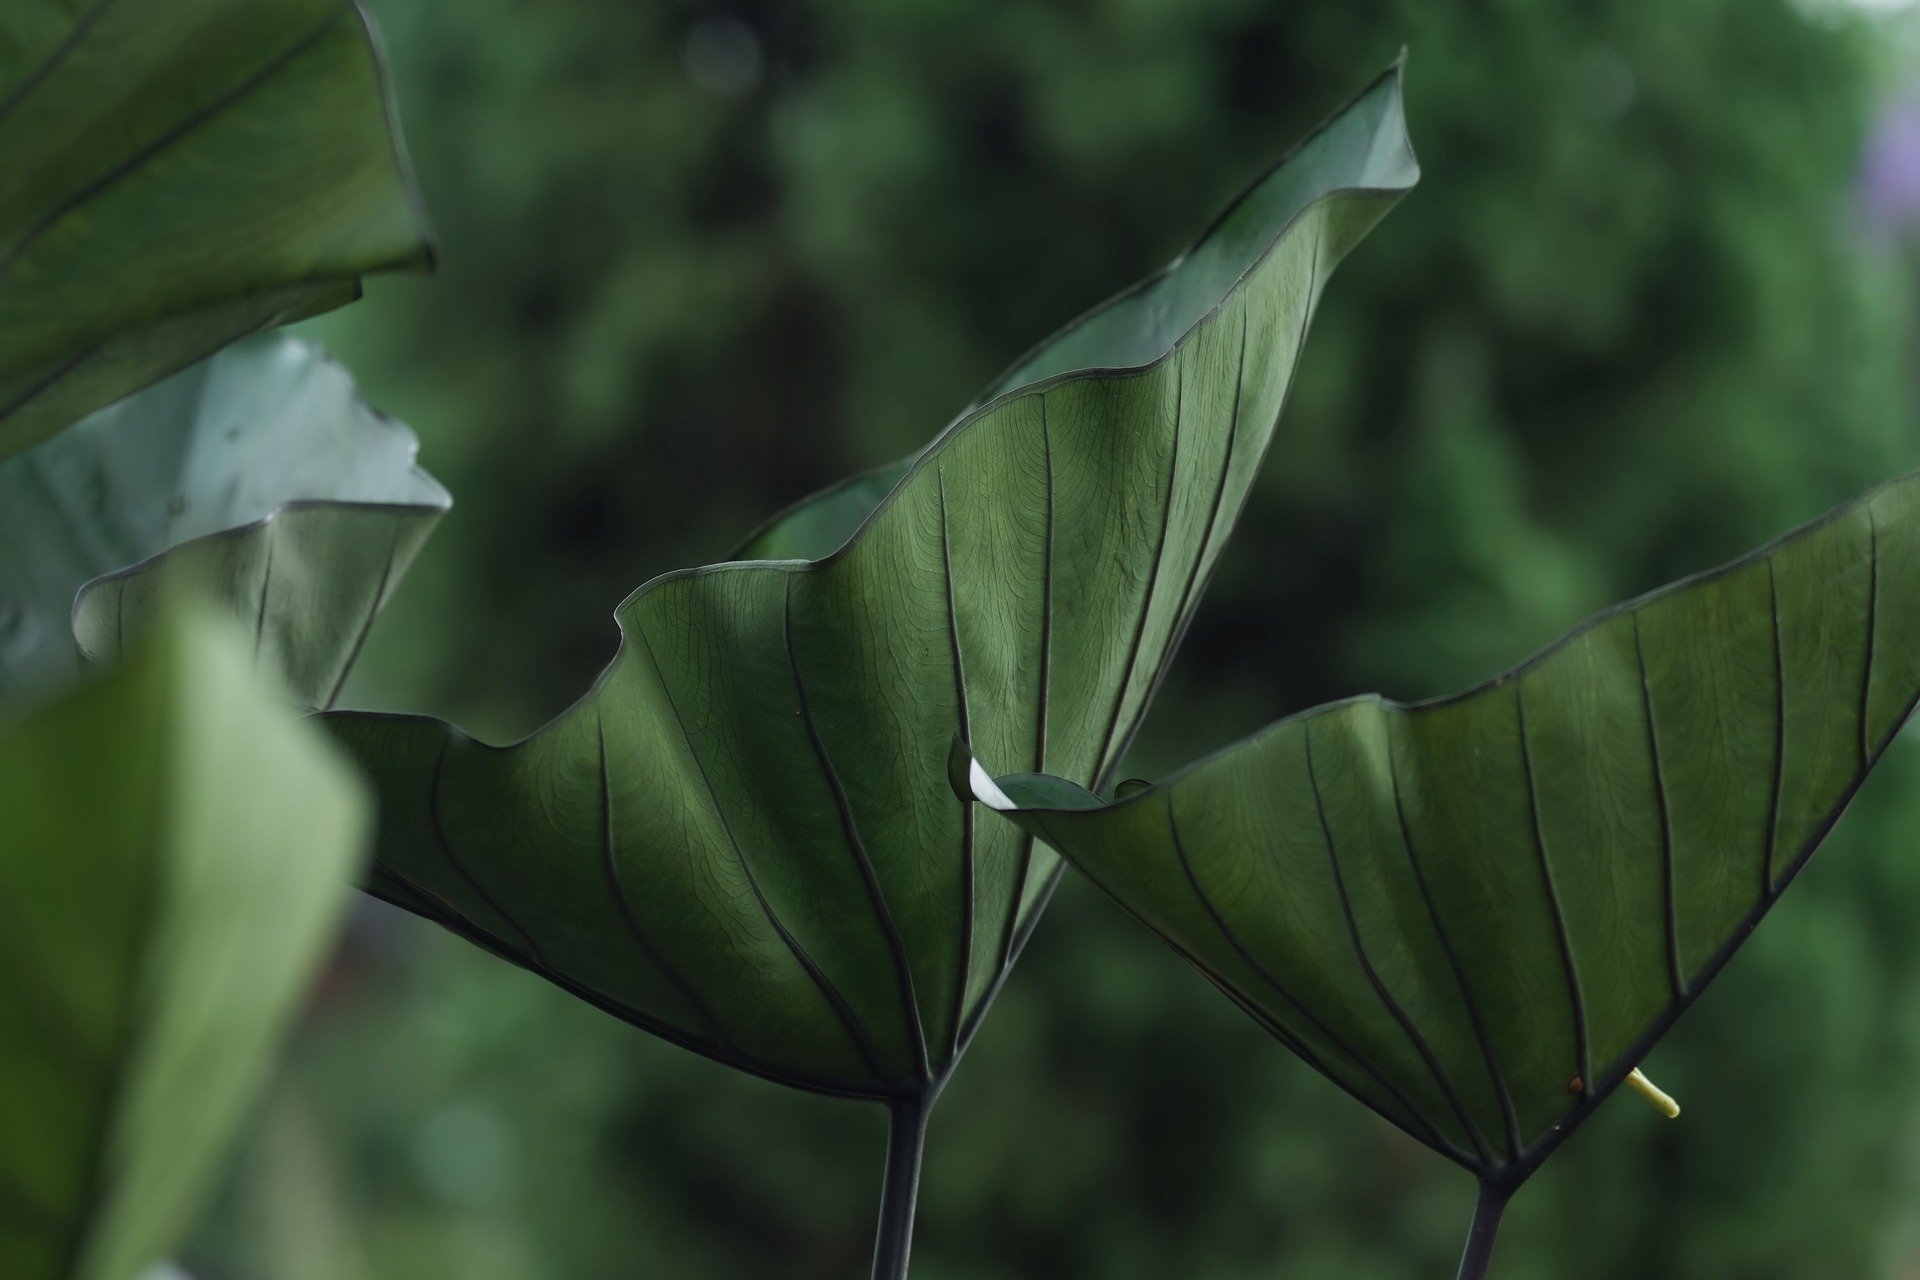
(986, 791)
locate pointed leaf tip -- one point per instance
(1362, 152)
(741, 839)
(1528, 882)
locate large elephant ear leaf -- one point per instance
(258, 480)
(180, 173)
(743, 838)
(1477, 915)
(1142, 322)
(178, 852)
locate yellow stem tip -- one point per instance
(1654, 1094)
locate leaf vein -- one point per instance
(628, 916)
(856, 846)
(967, 870)
(1386, 997)
(828, 992)
(76, 35)
(1494, 1070)
(373, 612)
(1675, 976)
(1109, 758)
(1576, 999)
(165, 141)
(1433, 1137)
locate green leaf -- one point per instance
(257, 479)
(180, 173)
(820, 523)
(1134, 327)
(1478, 914)
(177, 854)
(742, 838)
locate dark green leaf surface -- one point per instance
(180, 173)
(258, 480)
(743, 838)
(1477, 914)
(1131, 329)
(177, 853)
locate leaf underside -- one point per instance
(256, 480)
(177, 853)
(1136, 326)
(1476, 915)
(180, 173)
(742, 839)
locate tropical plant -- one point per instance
(178, 850)
(742, 839)
(756, 835)
(1476, 915)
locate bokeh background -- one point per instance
(1654, 302)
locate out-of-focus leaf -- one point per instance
(179, 173)
(1477, 915)
(176, 854)
(742, 839)
(257, 479)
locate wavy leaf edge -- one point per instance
(1002, 389)
(975, 413)
(973, 781)
(1388, 153)
(435, 501)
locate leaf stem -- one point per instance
(1487, 1210)
(906, 1142)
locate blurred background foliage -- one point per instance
(1654, 302)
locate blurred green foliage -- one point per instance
(699, 259)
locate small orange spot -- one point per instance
(1576, 1085)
